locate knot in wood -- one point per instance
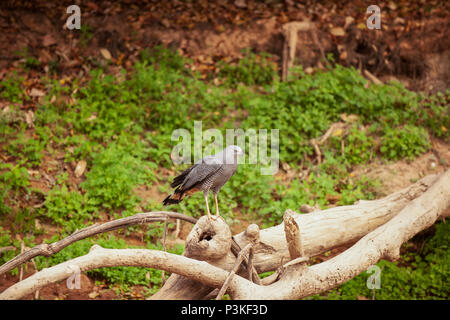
(209, 239)
(46, 249)
(252, 233)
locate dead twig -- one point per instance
(372, 78)
(250, 264)
(233, 271)
(7, 248)
(177, 229)
(52, 248)
(317, 142)
(163, 273)
(235, 249)
(22, 248)
(36, 294)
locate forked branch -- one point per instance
(381, 227)
(52, 248)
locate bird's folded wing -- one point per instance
(202, 170)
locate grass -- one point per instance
(122, 126)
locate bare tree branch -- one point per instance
(7, 248)
(233, 271)
(99, 257)
(163, 274)
(321, 231)
(398, 218)
(52, 248)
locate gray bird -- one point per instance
(209, 173)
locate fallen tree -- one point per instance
(376, 228)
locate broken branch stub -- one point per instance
(293, 238)
(290, 31)
(209, 240)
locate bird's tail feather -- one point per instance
(177, 181)
(169, 200)
(174, 198)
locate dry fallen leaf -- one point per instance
(105, 53)
(92, 117)
(343, 55)
(348, 21)
(349, 117)
(392, 6)
(240, 3)
(309, 70)
(165, 23)
(337, 31)
(79, 169)
(37, 93)
(337, 133)
(93, 294)
(37, 224)
(32, 172)
(399, 20)
(361, 26)
(48, 40)
(29, 118)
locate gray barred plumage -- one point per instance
(209, 174)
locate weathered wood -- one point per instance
(321, 231)
(52, 248)
(290, 31)
(293, 237)
(378, 227)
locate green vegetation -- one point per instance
(69, 209)
(125, 276)
(11, 89)
(251, 70)
(417, 275)
(115, 171)
(406, 142)
(121, 126)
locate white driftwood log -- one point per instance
(378, 227)
(320, 231)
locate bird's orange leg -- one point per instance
(207, 206)
(217, 205)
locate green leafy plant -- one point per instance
(86, 34)
(251, 70)
(69, 209)
(28, 150)
(356, 147)
(11, 89)
(115, 172)
(407, 142)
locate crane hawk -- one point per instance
(209, 173)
